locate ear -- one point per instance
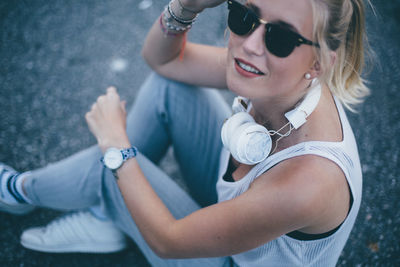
(315, 70)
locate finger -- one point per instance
(101, 99)
(88, 117)
(112, 89)
(112, 93)
(90, 122)
(92, 114)
(96, 109)
(93, 106)
(123, 105)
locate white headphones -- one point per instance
(250, 142)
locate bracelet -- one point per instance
(176, 32)
(165, 30)
(170, 23)
(180, 20)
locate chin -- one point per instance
(242, 87)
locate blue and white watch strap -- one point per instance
(128, 153)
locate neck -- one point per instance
(271, 112)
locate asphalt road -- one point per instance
(57, 56)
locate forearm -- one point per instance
(152, 217)
(160, 48)
(163, 45)
(107, 122)
(167, 54)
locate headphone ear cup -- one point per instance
(251, 143)
(236, 142)
(230, 126)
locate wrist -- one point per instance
(119, 143)
(115, 158)
(181, 11)
(189, 6)
(175, 19)
(180, 15)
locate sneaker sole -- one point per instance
(78, 248)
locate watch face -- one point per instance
(113, 158)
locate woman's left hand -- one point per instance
(107, 120)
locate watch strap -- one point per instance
(128, 153)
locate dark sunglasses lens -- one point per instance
(239, 20)
(279, 41)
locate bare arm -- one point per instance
(201, 65)
(288, 198)
(308, 193)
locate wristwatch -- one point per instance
(114, 158)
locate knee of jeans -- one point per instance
(167, 82)
(159, 81)
(166, 89)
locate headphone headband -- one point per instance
(251, 143)
(297, 116)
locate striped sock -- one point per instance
(11, 187)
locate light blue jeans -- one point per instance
(165, 113)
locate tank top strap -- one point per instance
(328, 150)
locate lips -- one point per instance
(247, 69)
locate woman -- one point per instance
(287, 196)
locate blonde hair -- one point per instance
(339, 25)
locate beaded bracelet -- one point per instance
(165, 30)
(168, 20)
(180, 20)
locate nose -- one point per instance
(254, 43)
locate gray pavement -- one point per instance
(57, 56)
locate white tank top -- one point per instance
(287, 251)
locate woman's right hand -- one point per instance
(199, 5)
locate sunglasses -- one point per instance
(279, 40)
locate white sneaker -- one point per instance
(76, 232)
(14, 208)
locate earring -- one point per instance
(307, 76)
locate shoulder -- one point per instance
(312, 189)
(305, 171)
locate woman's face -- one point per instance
(275, 77)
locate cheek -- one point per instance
(233, 43)
(230, 50)
(306, 58)
(280, 70)
(292, 67)
(285, 73)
